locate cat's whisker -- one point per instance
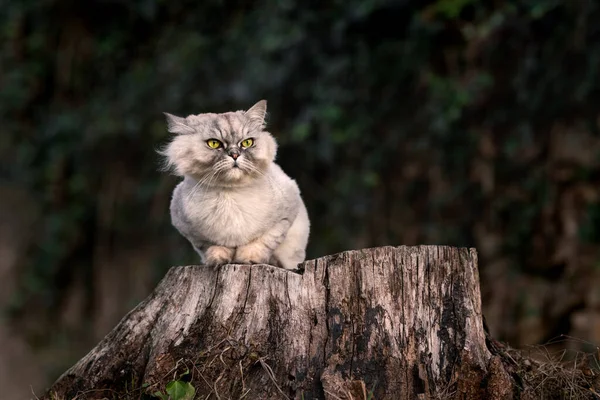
(217, 169)
(213, 177)
(253, 168)
(194, 188)
(207, 180)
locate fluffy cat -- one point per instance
(235, 204)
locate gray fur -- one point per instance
(245, 210)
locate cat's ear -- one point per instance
(177, 124)
(258, 112)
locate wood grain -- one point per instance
(396, 322)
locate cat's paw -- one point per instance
(218, 255)
(253, 253)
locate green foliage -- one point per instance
(180, 390)
(450, 8)
(381, 109)
(177, 390)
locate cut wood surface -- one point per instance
(389, 322)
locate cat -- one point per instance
(235, 204)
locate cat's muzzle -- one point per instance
(234, 153)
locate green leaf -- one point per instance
(160, 395)
(180, 390)
(451, 8)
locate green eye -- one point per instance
(247, 143)
(213, 143)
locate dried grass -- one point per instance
(556, 371)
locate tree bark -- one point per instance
(389, 322)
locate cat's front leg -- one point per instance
(260, 250)
(215, 256)
(253, 253)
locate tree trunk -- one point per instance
(397, 323)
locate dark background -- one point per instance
(455, 122)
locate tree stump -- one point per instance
(382, 323)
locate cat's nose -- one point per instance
(234, 154)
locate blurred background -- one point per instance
(455, 122)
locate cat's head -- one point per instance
(227, 149)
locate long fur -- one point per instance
(244, 210)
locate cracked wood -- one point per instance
(402, 322)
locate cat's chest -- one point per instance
(232, 217)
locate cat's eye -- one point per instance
(247, 142)
(213, 143)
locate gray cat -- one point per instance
(234, 203)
